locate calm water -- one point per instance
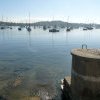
(31, 63)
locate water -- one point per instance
(33, 63)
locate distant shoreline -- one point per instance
(50, 23)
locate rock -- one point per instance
(17, 82)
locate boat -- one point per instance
(44, 28)
(53, 30)
(2, 27)
(85, 28)
(19, 28)
(10, 27)
(68, 29)
(90, 28)
(29, 27)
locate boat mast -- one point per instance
(67, 22)
(29, 19)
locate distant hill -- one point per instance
(64, 24)
(56, 23)
(51, 23)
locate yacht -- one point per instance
(90, 28)
(68, 29)
(44, 28)
(53, 30)
(19, 28)
(29, 27)
(85, 28)
(2, 27)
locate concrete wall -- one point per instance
(85, 78)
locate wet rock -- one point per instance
(43, 93)
(2, 98)
(66, 91)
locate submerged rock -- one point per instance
(17, 82)
(43, 93)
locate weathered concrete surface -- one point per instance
(88, 53)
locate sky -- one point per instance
(86, 11)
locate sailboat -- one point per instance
(19, 28)
(2, 25)
(29, 28)
(53, 30)
(44, 27)
(90, 27)
(85, 28)
(68, 28)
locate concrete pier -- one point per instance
(85, 75)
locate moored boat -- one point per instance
(53, 30)
(19, 28)
(29, 27)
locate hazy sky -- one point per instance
(77, 10)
